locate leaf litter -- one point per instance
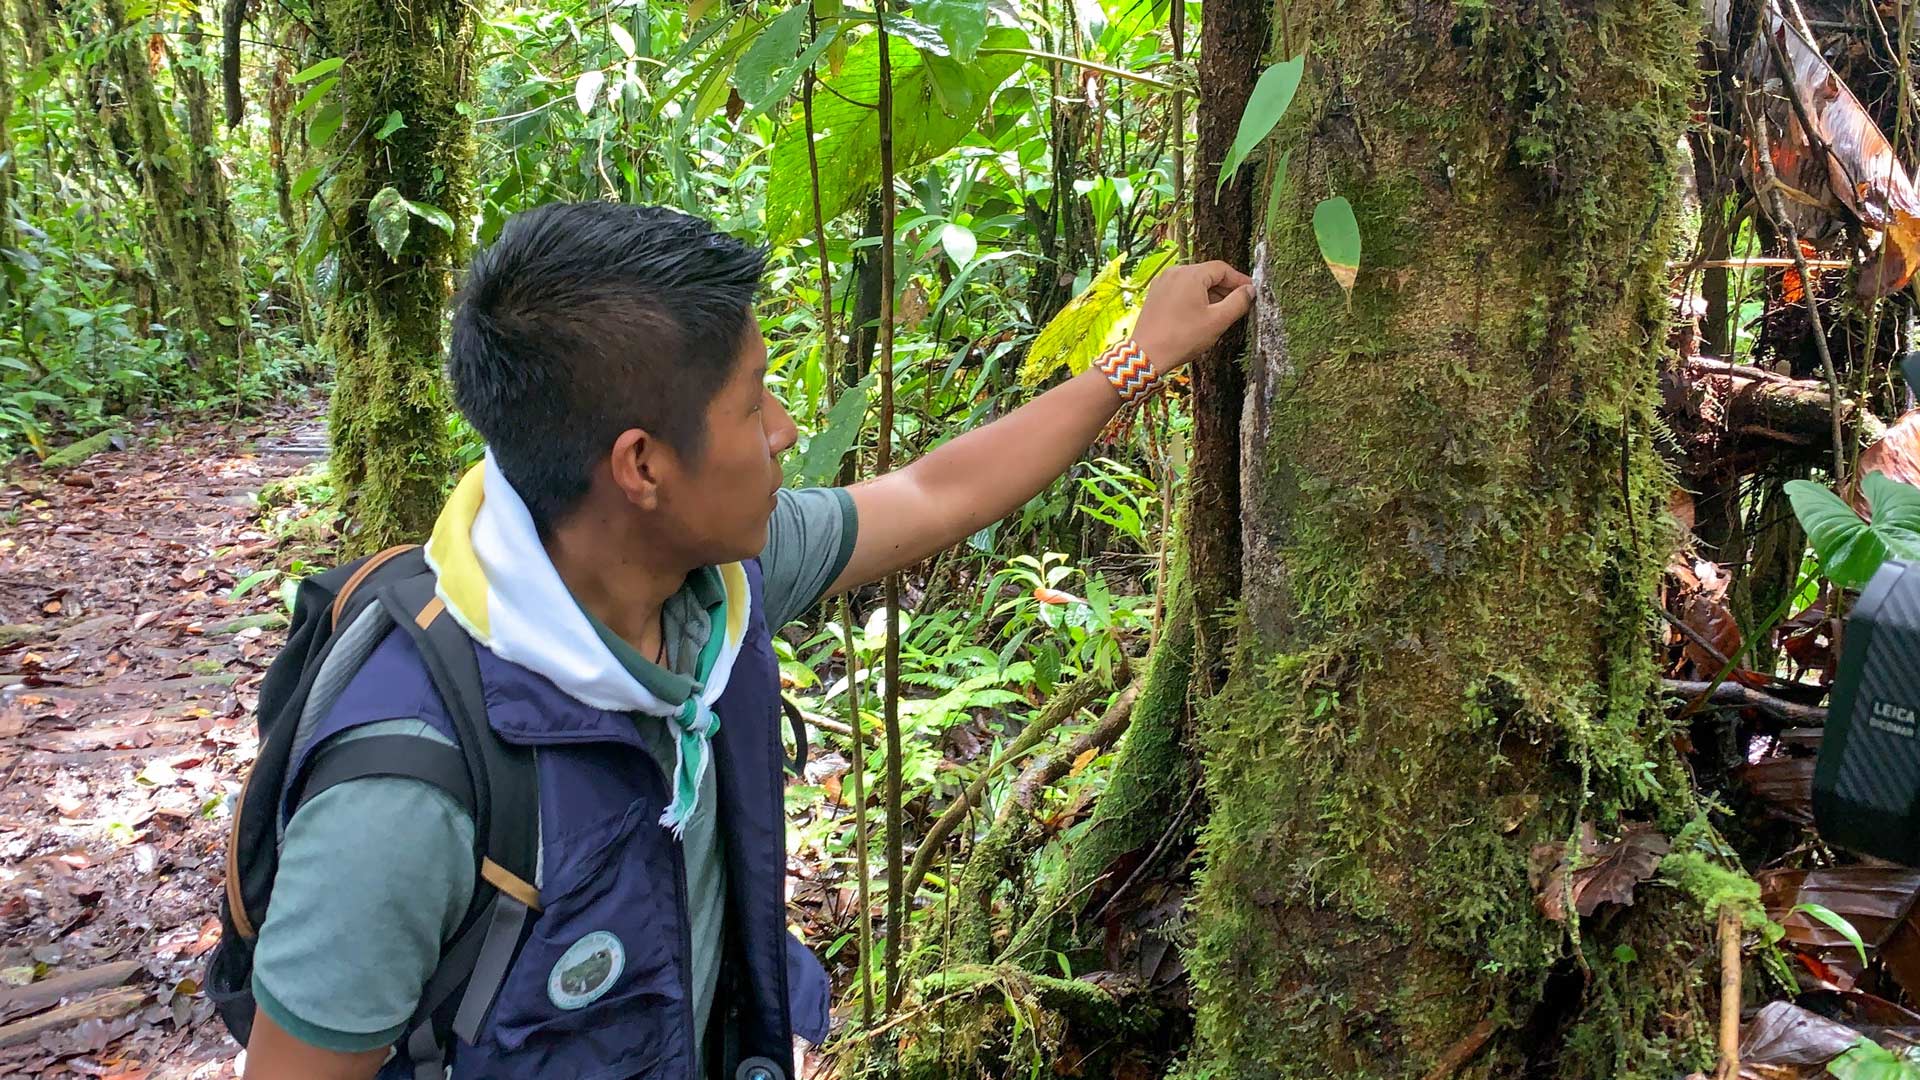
(125, 727)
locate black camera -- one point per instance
(1866, 785)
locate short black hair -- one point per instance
(583, 320)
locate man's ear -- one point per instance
(637, 462)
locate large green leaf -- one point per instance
(773, 47)
(919, 34)
(325, 122)
(1089, 321)
(959, 243)
(387, 213)
(1850, 549)
(432, 215)
(962, 23)
(586, 90)
(783, 83)
(312, 97)
(1269, 101)
(1868, 1060)
(849, 143)
(305, 181)
(324, 67)
(821, 461)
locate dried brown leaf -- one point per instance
(1861, 175)
(1897, 454)
(1783, 1034)
(1606, 873)
(1782, 785)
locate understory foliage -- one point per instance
(1321, 791)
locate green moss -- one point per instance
(188, 222)
(965, 1032)
(391, 453)
(1462, 456)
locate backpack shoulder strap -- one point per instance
(413, 756)
(506, 809)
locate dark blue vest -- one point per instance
(612, 878)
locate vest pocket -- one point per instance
(595, 992)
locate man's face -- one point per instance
(722, 500)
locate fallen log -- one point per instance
(105, 1006)
(1712, 404)
(1741, 696)
(31, 998)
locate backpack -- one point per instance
(492, 780)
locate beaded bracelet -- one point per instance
(1127, 368)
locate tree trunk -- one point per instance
(215, 240)
(189, 225)
(6, 147)
(1454, 524)
(391, 454)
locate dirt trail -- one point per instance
(128, 671)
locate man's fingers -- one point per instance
(1232, 309)
(1220, 275)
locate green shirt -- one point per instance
(376, 873)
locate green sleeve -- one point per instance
(374, 876)
(809, 540)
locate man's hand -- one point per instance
(987, 473)
(1186, 311)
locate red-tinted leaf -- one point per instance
(1874, 899)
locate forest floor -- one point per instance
(128, 674)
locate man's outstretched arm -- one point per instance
(986, 474)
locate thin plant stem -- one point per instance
(890, 711)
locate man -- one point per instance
(620, 560)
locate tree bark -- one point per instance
(1233, 39)
(189, 225)
(1455, 521)
(391, 453)
(6, 143)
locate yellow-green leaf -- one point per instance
(1104, 312)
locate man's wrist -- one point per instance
(1129, 370)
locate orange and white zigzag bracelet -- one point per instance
(1127, 368)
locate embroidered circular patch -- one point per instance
(586, 970)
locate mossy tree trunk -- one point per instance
(386, 314)
(189, 224)
(6, 147)
(1453, 529)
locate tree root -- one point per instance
(1064, 705)
(1151, 781)
(961, 1028)
(1015, 828)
